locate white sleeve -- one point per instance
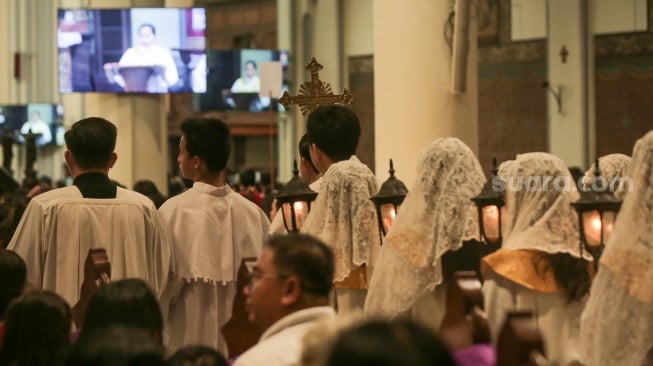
(27, 242)
(46, 137)
(277, 226)
(171, 74)
(161, 255)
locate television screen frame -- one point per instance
(100, 50)
(14, 119)
(226, 68)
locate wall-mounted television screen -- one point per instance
(135, 50)
(42, 119)
(244, 80)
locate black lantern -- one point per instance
(295, 201)
(387, 201)
(489, 203)
(597, 211)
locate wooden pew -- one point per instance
(238, 332)
(464, 323)
(520, 342)
(97, 273)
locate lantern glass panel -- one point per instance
(592, 228)
(490, 216)
(300, 209)
(388, 214)
(609, 218)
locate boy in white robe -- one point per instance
(60, 226)
(342, 215)
(212, 229)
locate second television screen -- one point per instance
(235, 78)
(137, 50)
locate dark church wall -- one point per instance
(512, 104)
(624, 112)
(624, 89)
(361, 81)
(512, 111)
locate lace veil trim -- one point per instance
(344, 217)
(436, 216)
(629, 250)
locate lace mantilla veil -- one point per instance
(539, 192)
(612, 166)
(344, 217)
(436, 216)
(617, 323)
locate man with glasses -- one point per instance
(287, 294)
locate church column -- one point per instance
(567, 27)
(327, 42)
(286, 146)
(412, 75)
(29, 67)
(7, 17)
(318, 33)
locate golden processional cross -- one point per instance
(315, 92)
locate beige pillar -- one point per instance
(567, 25)
(7, 12)
(286, 140)
(412, 74)
(142, 135)
(327, 41)
(28, 32)
(317, 33)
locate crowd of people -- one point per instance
(332, 294)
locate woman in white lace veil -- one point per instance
(613, 168)
(617, 324)
(539, 266)
(436, 216)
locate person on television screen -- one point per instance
(148, 53)
(38, 127)
(249, 82)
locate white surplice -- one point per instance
(212, 229)
(345, 219)
(282, 343)
(60, 226)
(558, 319)
(153, 55)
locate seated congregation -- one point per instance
(205, 279)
